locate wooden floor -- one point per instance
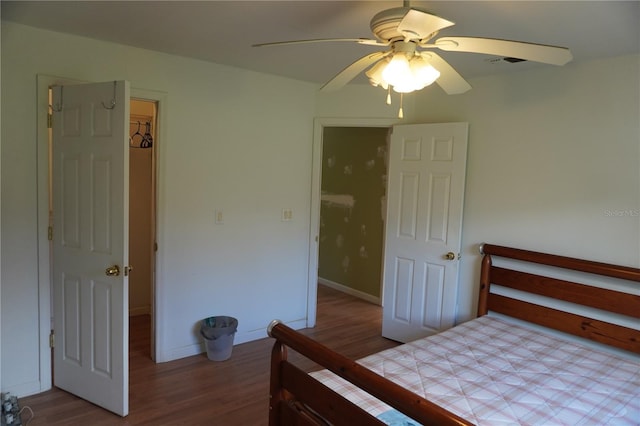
(196, 391)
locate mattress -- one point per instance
(494, 372)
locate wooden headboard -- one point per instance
(587, 295)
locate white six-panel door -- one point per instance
(427, 165)
(90, 235)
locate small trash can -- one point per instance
(218, 333)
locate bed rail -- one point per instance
(296, 398)
(587, 295)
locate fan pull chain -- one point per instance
(400, 113)
(389, 95)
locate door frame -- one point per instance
(45, 296)
(319, 124)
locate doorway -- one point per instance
(353, 209)
(316, 194)
(142, 214)
(44, 209)
(442, 189)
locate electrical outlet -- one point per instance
(287, 215)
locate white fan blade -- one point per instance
(514, 49)
(350, 72)
(450, 81)
(419, 25)
(366, 41)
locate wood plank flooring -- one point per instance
(196, 391)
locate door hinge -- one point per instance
(50, 233)
(52, 340)
(49, 121)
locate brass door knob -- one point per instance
(450, 256)
(112, 271)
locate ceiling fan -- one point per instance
(410, 63)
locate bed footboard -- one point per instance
(296, 398)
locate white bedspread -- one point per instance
(492, 372)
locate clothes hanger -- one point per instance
(147, 141)
(137, 138)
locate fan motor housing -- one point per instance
(384, 25)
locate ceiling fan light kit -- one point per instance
(405, 69)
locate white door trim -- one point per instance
(45, 297)
(316, 183)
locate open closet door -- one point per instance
(427, 164)
(90, 242)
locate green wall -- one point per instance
(353, 206)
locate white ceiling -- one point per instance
(223, 31)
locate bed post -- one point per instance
(278, 355)
(485, 282)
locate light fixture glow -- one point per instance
(405, 74)
(398, 71)
(423, 72)
(406, 71)
(375, 74)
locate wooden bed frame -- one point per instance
(296, 398)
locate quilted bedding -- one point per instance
(493, 372)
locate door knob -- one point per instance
(450, 256)
(112, 271)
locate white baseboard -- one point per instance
(25, 389)
(350, 291)
(243, 337)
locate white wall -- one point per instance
(363, 101)
(553, 163)
(233, 140)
